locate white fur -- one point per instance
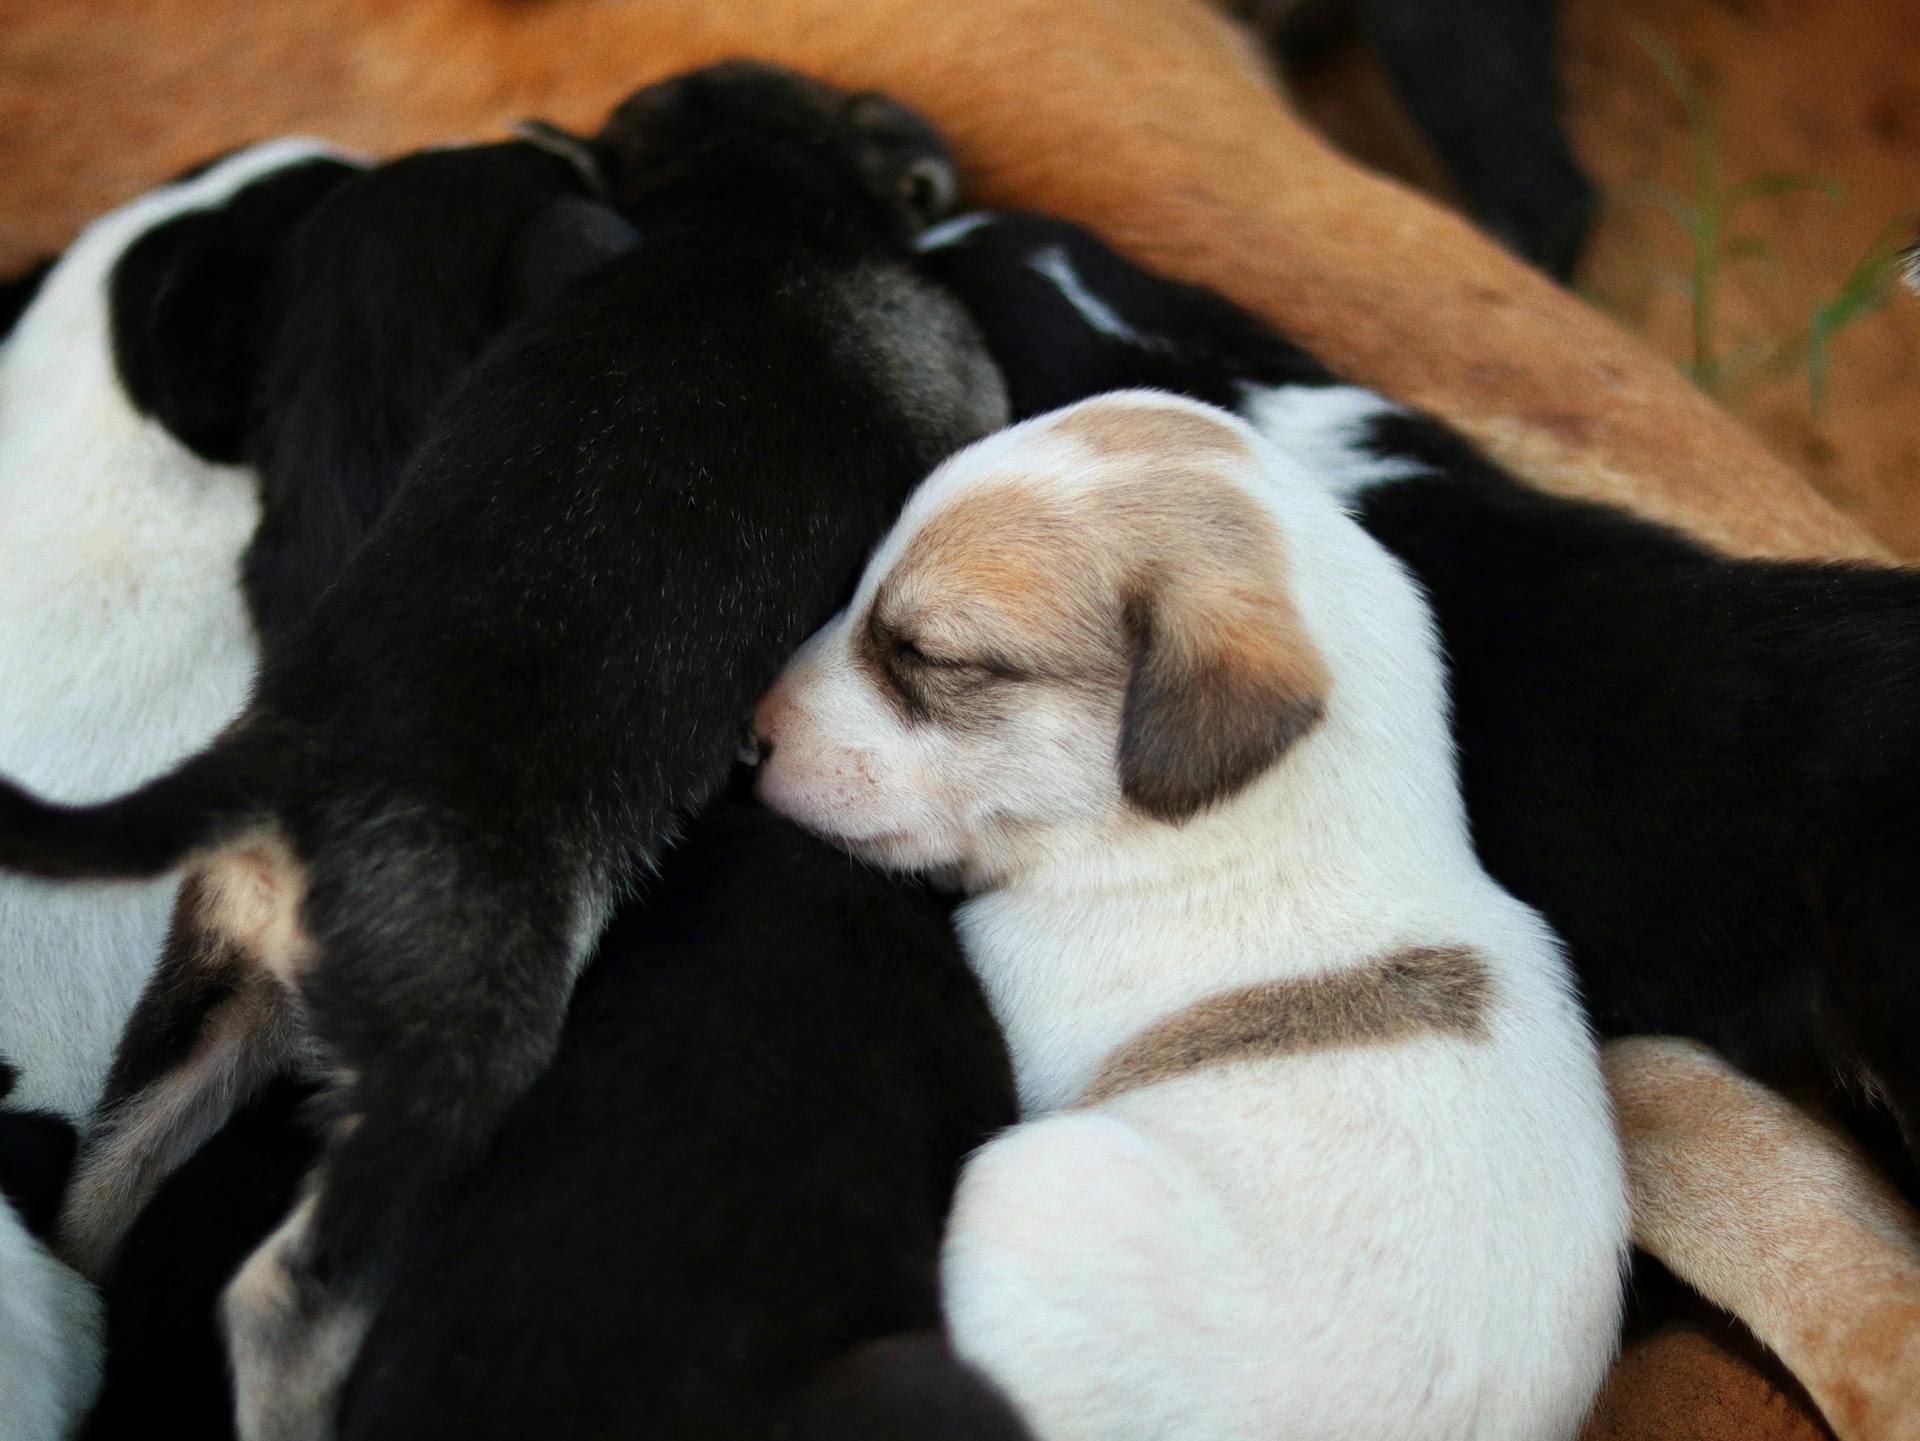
(1372, 1244)
(952, 230)
(50, 1339)
(1321, 429)
(1056, 265)
(124, 640)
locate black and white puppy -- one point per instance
(624, 520)
(124, 639)
(1704, 771)
(736, 1167)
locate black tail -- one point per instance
(903, 1388)
(143, 833)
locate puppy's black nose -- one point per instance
(754, 748)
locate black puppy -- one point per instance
(736, 1167)
(318, 359)
(622, 522)
(1704, 771)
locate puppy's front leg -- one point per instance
(1775, 1218)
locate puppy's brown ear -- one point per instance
(1224, 680)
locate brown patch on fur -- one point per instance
(1424, 990)
(251, 893)
(1778, 1219)
(1161, 579)
(1125, 431)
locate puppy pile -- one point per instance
(417, 1027)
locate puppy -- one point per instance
(124, 640)
(1317, 1142)
(49, 1317)
(243, 362)
(637, 504)
(736, 1167)
(1701, 770)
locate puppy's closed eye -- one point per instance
(909, 652)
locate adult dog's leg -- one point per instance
(1769, 1214)
(210, 1030)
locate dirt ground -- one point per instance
(1827, 90)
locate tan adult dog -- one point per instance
(1156, 123)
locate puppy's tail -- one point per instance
(144, 833)
(910, 1387)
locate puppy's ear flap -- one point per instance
(1224, 680)
(187, 302)
(564, 241)
(185, 340)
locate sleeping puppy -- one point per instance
(1702, 770)
(1316, 1141)
(124, 640)
(623, 520)
(49, 1316)
(736, 1167)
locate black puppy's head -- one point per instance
(819, 139)
(185, 298)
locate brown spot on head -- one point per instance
(1130, 430)
(1163, 586)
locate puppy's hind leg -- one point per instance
(209, 1031)
(431, 1042)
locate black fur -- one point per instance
(1482, 79)
(182, 305)
(623, 521)
(164, 1353)
(17, 293)
(1202, 345)
(1704, 771)
(736, 1167)
(36, 1152)
(310, 326)
(378, 304)
(902, 1388)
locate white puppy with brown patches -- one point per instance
(1317, 1143)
